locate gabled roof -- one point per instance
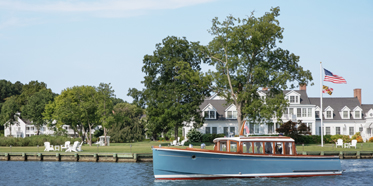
(366, 108)
(337, 104)
(219, 105)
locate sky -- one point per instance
(67, 43)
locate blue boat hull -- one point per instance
(173, 164)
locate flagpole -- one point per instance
(320, 113)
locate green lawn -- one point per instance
(138, 147)
(145, 147)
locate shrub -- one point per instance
(371, 139)
(194, 136)
(36, 140)
(207, 138)
(360, 139)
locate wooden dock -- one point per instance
(78, 157)
(342, 154)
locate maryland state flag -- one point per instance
(326, 89)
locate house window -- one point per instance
(226, 131)
(292, 99)
(337, 130)
(208, 130)
(44, 129)
(327, 130)
(345, 114)
(251, 128)
(210, 114)
(304, 112)
(214, 130)
(232, 130)
(299, 112)
(329, 114)
(357, 114)
(270, 128)
(32, 128)
(231, 114)
(317, 114)
(286, 111)
(309, 112)
(361, 130)
(257, 129)
(352, 131)
(291, 111)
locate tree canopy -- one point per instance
(246, 57)
(174, 84)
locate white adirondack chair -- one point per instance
(48, 146)
(174, 143)
(182, 142)
(67, 144)
(339, 143)
(74, 147)
(79, 148)
(353, 143)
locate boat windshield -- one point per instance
(233, 147)
(223, 146)
(258, 147)
(247, 147)
(289, 148)
(278, 148)
(269, 147)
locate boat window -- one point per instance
(233, 147)
(289, 148)
(223, 146)
(269, 147)
(258, 147)
(278, 148)
(247, 147)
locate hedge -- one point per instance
(36, 140)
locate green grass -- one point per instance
(145, 147)
(138, 147)
(331, 147)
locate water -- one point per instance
(358, 172)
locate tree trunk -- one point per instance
(239, 116)
(10, 129)
(176, 132)
(105, 136)
(90, 135)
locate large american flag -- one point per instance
(329, 76)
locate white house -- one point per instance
(24, 128)
(340, 115)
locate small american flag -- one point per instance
(247, 129)
(329, 76)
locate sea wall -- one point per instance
(78, 157)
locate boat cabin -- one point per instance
(278, 145)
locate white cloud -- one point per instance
(98, 6)
(17, 22)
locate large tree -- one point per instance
(246, 57)
(105, 97)
(35, 107)
(128, 123)
(9, 112)
(8, 89)
(174, 84)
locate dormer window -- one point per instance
(210, 114)
(293, 99)
(329, 114)
(231, 114)
(345, 114)
(357, 115)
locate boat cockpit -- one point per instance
(278, 145)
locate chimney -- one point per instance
(357, 94)
(265, 88)
(302, 86)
